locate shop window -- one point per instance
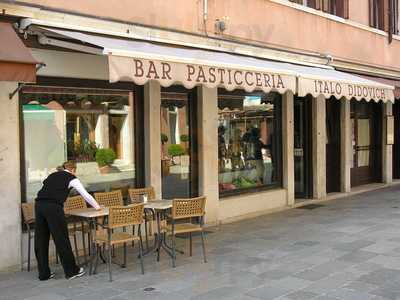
(94, 127)
(338, 8)
(249, 141)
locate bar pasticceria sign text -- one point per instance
(190, 75)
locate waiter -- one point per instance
(50, 219)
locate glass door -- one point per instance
(302, 148)
(366, 142)
(178, 143)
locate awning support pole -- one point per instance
(12, 94)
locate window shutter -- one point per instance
(342, 8)
(371, 13)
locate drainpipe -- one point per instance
(205, 16)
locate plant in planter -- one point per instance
(105, 158)
(185, 141)
(175, 150)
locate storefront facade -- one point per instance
(253, 135)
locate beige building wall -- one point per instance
(10, 196)
(271, 23)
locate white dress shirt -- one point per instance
(77, 185)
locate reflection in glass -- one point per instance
(175, 145)
(91, 126)
(248, 141)
(363, 139)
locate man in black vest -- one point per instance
(50, 219)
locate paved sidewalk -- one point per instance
(347, 249)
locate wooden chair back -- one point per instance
(122, 216)
(188, 208)
(135, 194)
(75, 202)
(28, 212)
(109, 199)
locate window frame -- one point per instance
(339, 8)
(278, 123)
(138, 115)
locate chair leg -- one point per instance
(190, 244)
(173, 250)
(141, 256)
(83, 241)
(76, 248)
(29, 249)
(97, 254)
(204, 246)
(146, 233)
(109, 260)
(133, 233)
(124, 265)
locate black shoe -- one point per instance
(80, 273)
(52, 274)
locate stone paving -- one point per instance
(347, 249)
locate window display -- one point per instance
(249, 141)
(94, 127)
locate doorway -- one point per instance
(178, 143)
(332, 145)
(302, 147)
(366, 123)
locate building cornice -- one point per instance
(41, 16)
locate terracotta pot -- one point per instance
(105, 169)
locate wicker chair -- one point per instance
(135, 196)
(28, 214)
(77, 202)
(110, 199)
(120, 217)
(186, 209)
(124, 190)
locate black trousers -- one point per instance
(50, 219)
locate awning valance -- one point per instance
(16, 62)
(138, 61)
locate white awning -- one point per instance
(138, 61)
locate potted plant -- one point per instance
(105, 158)
(175, 151)
(164, 158)
(185, 141)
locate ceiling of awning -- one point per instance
(139, 61)
(16, 62)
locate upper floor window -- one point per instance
(377, 14)
(338, 8)
(384, 15)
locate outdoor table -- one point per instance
(159, 207)
(90, 214)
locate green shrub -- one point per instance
(175, 150)
(164, 138)
(105, 157)
(184, 138)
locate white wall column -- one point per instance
(319, 147)
(387, 158)
(152, 133)
(102, 135)
(346, 152)
(207, 122)
(10, 195)
(287, 145)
